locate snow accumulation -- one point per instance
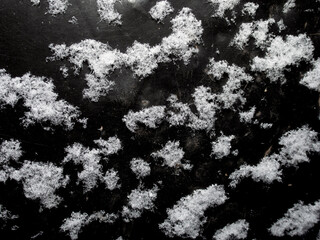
(74, 224)
(39, 97)
(186, 217)
(297, 221)
(290, 4)
(140, 167)
(311, 79)
(296, 144)
(90, 161)
(172, 155)
(107, 11)
(258, 30)
(222, 146)
(139, 200)
(40, 181)
(222, 6)
(236, 230)
(282, 54)
(250, 9)
(162, 9)
(142, 59)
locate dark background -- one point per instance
(25, 33)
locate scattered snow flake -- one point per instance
(39, 98)
(73, 20)
(288, 6)
(311, 79)
(140, 167)
(250, 9)
(40, 181)
(35, 2)
(151, 117)
(139, 200)
(10, 150)
(266, 125)
(281, 25)
(6, 215)
(186, 217)
(159, 11)
(64, 71)
(236, 230)
(282, 54)
(223, 6)
(297, 220)
(107, 11)
(222, 146)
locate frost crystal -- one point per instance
(40, 181)
(159, 11)
(222, 146)
(186, 217)
(282, 54)
(139, 200)
(39, 98)
(150, 117)
(236, 230)
(107, 11)
(311, 79)
(297, 220)
(250, 9)
(172, 155)
(140, 167)
(223, 5)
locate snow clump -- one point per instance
(159, 11)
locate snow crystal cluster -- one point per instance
(172, 155)
(311, 79)
(288, 6)
(297, 220)
(283, 53)
(40, 181)
(222, 146)
(55, 6)
(247, 116)
(162, 9)
(142, 59)
(39, 97)
(139, 200)
(233, 231)
(222, 6)
(140, 167)
(296, 145)
(6, 214)
(74, 224)
(90, 161)
(250, 9)
(150, 117)
(10, 151)
(258, 30)
(107, 11)
(186, 217)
